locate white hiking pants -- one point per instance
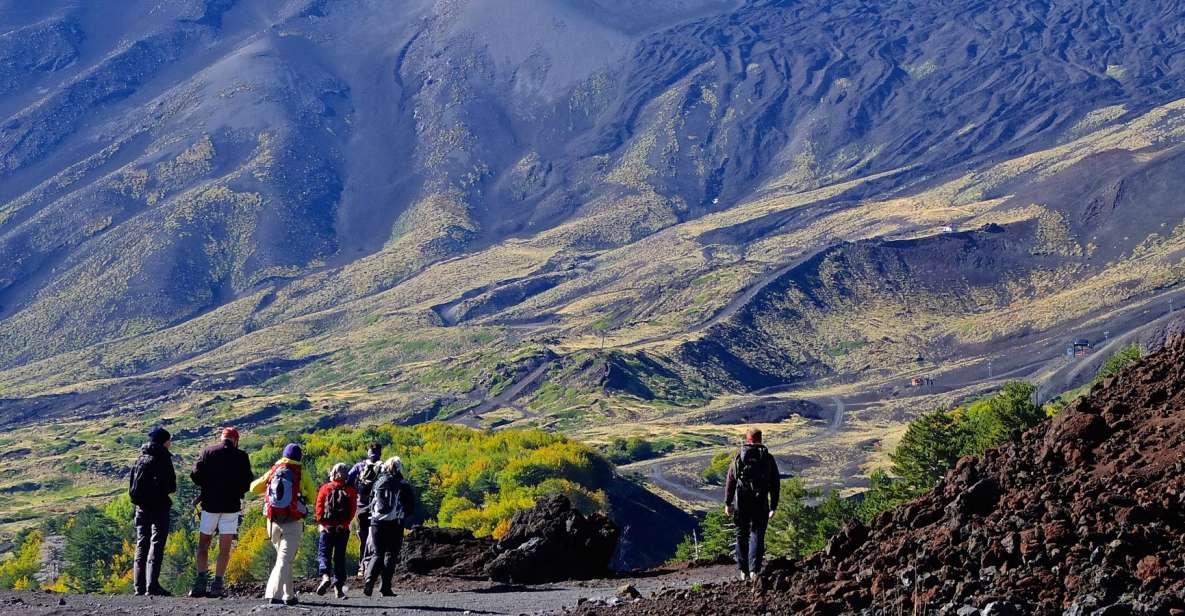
(285, 538)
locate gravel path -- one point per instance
(491, 599)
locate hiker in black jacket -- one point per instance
(750, 497)
(391, 505)
(362, 478)
(223, 473)
(151, 482)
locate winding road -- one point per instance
(658, 471)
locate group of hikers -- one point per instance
(373, 492)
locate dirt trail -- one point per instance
(477, 598)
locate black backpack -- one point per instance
(387, 502)
(145, 483)
(366, 480)
(337, 506)
(752, 470)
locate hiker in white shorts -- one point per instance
(223, 524)
(223, 472)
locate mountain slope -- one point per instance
(608, 218)
(228, 152)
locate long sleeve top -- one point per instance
(767, 495)
(323, 495)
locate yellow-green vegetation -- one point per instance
(717, 468)
(20, 571)
(936, 440)
(468, 478)
(463, 478)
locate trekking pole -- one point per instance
(695, 538)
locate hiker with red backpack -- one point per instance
(283, 488)
(337, 502)
(751, 495)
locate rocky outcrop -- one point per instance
(551, 542)
(445, 551)
(1082, 515)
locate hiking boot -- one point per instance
(368, 588)
(323, 587)
(141, 592)
(199, 586)
(276, 602)
(158, 591)
(744, 576)
(339, 592)
(387, 592)
(215, 591)
(291, 601)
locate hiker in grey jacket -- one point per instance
(391, 504)
(750, 497)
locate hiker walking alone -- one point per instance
(151, 482)
(283, 487)
(337, 502)
(750, 497)
(391, 505)
(362, 478)
(223, 473)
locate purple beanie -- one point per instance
(292, 452)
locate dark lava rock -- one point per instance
(1082, 515)
(445, 551)
(552, 542)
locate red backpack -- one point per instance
(283, 501)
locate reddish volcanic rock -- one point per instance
(1082, 515)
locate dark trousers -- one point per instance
(363, 540)
(152, 530)
(751, 525)
(386, 540)
(331, 554)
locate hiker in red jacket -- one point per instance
(337, 503)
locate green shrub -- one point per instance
(464, 477)
(20, 571)
(1117, 362)
(634, 449)
(931, 445)
(884, 493)
(92, 541)
(717, 469)
(799, 528)
(716, 538)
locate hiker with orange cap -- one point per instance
(223, 474)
